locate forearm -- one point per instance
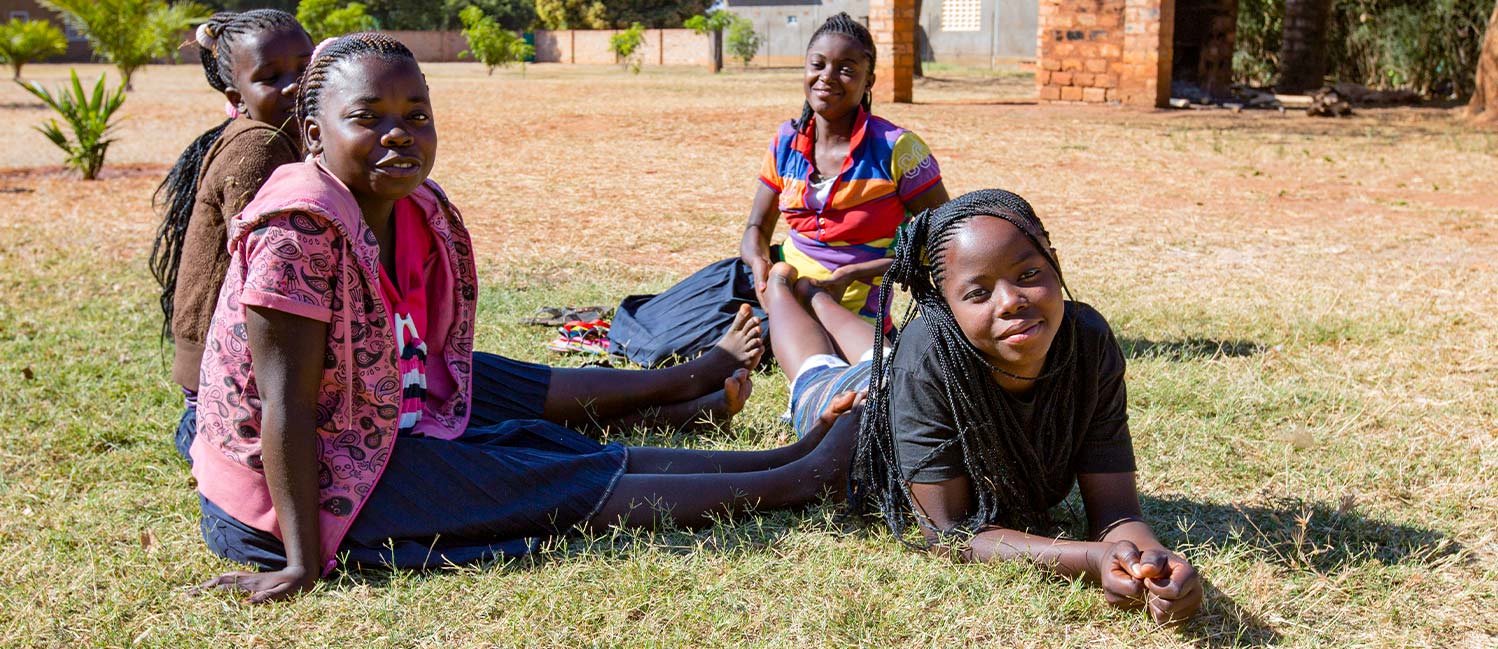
(289, 454)
(755, 243)
(1066, 558)
(865, 271)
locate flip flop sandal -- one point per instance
(546, 316)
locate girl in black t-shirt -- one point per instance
(991, 404)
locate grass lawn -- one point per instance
(1308, 308)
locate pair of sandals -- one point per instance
(585, 337)
(547, 316)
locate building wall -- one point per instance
(786, 41)
(1106, 51)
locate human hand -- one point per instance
(1174, 591)
(835, 285)
(262, 586)
(759, 267)
(1115, 566)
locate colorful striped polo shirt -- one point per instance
(887, 166)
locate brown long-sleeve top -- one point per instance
(235, 167)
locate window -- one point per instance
(20, 15)
(961, 15)
(790, 21)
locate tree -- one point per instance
(654, 14)
(1484, 103)
(325, 19)
(23, 41)
(427, 15)
(712, 23)
(626, 46)
(743, 41)
(87, 116)
(130, 33)
(572, 14)
(491, 44)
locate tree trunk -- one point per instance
(919, 70)
(1484, 104)
(1303, 45)
(15, 69)
(717, 47)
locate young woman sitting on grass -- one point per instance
(844, 179)
(335, 407)
(993, 402)
(255, 59)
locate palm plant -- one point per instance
(130, 33)
(88, 115)
(23, 41)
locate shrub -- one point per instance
(626, 46)
(743, 41)
(23, 41)
(87, 115)
(325, 19)
(130, 33)
(491, 44)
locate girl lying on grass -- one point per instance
(255, 59)
(335, 402)
(843, 179)
(990, 405)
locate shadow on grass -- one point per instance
(1190, 348)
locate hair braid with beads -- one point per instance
(843, 25)
(177, 192)
(1006, 464)
(334, 50)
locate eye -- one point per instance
(975, 294)
(419, 117)
(1030, 274)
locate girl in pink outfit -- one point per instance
(335, 401)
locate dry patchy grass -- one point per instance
(1307, 306)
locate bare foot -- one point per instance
(841, 404)
(740, 348)
(717, 410)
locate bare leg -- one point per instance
(656, 460)
(591, 394)
(642, 500)
(709, 410)
(852, 335)
(795, 334)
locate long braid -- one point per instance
(334, 50)
(175, 195)
(844, 25)
(1006, 464)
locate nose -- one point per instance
(395, 138)
(289, 90)
(1011, 300)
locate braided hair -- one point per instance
(843, 25)
(177, 192)
(335, 50)
(1006, 464)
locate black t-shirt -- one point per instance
(922, 416)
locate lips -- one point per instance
(399, 166)
(1020, 331)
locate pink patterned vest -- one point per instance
(302, 247)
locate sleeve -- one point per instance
(926, 441)
(769, 168)
(291, 266)
(254, 155)
(913, 167)
(1106, 444)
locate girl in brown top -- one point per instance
(254, 58)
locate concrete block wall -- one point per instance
(1100, 51)
(433, 46)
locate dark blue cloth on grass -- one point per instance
(688, 318)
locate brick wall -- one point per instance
(1105, 51)
(591, 46)
(892, 23)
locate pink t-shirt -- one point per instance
(424, 377)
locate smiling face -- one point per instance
(265, 67)
(374, 129)
(1005, 296)
(838, 73)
